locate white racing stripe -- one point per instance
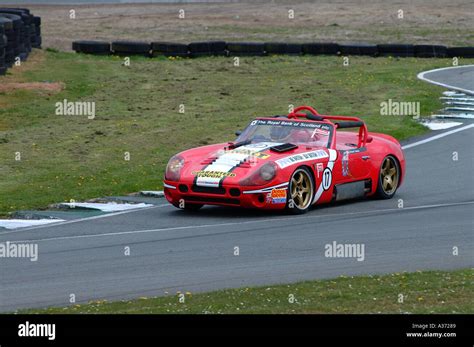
(267, 220)
(227, 161)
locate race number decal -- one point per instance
(327, 178)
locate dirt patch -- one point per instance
(54, 87)
(437, 21)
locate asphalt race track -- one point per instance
(172, 250)
(460, 78)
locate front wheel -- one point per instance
(300, 191)
(389, 178)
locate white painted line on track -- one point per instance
(132, 232)
(422, 77)
(432, 138)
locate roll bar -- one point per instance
(340, 122)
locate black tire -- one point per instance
(3, 41)
(3, 70)
(9, 57)
(358, 49)
(294, 205)
(246, 48)
(320, 48)
(16, 20)
(169, 49)
(6, 24)
(283, 48)
(461, 52)
(211, 48)
(39, 42)
(431, 51)
(382, 193)
(23, 56)
(90, 47)
(22, 9)
(396, 50)
(125, 48)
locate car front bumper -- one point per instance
(268, 197)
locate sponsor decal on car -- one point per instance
(327, 178)
(213, 174)
(319, 168)
(250, 152)
(292, 124)
(320, 132)
(298, 158)
(345, 164)
(277, 196)
(229, 160)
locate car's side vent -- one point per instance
(284, 147)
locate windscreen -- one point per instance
(287, 131)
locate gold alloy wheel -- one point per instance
(389, 176)
(301, 189)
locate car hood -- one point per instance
(212, 165)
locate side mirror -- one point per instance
(238, 133)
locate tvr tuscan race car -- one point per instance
(288, 162)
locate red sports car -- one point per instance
(288, 162)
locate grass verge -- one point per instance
(72, 157)
(423, 292)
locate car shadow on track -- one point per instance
(210, 211)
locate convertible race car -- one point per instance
(288, 162)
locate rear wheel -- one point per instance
(300, 191)
(389, 178)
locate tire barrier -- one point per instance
(126, 48)
(92, 47)
(212, 48)
(358, 49)
(461, 52)
(169, 49)
(248, 49)
(321, 48)
(20, 31)
(430, 51)
(3, 44)
(221, 48)
(396, 50)
(283, 48)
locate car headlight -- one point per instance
(173, 169)
(262, 176)
(268, 171)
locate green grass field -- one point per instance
(423, 292)
(72, 157)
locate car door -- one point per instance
(354, 164)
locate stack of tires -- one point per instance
(3, 44)
(19, 32)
